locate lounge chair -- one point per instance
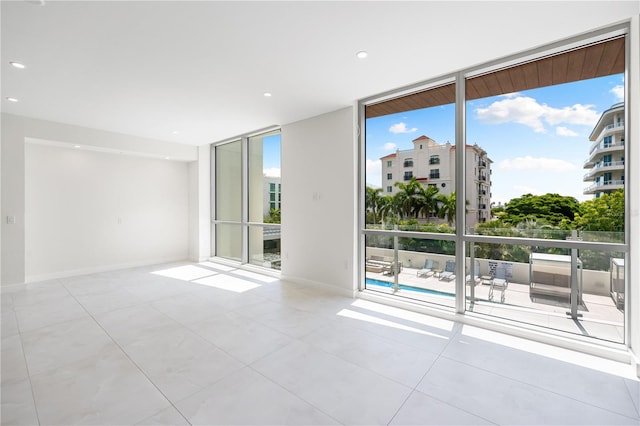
(427, 270)
(449, 271)
(476, 273)
(500, 281)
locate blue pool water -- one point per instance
(371, 281)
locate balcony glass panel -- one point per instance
(264, 246)
(418, 269)
(533, 285)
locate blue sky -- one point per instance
(271, 155)
(538, 139)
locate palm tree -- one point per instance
(407, 197)
(372, 201)
(386, 207)
(427, 202)
(447, 208)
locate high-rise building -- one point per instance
(606, 155)
(433, 164)
(271, 194)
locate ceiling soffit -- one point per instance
(595, 60)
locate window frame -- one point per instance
(462, 238)
(244, 221)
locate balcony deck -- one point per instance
(600, 316)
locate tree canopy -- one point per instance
(554, 209)
(604, 214)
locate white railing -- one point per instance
(603, 145)
(602, 165)
(604, 183)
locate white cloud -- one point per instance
(401, 128)
(618, 92)
(576, 114)
(564, 131)
(523, 189)
(527, 111)
(389, 146)
(539, 163)
(374, 173)
(272, 172)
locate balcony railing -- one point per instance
(482, 164)
(603, 164)
(606, 145)
(607, 184)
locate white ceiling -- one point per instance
(150, 68)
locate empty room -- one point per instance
(320, 212)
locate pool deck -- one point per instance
(600, 317)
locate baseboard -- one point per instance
(98, 269)
(317, 284)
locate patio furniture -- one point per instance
(499, 282)
(476, 274)
(378, 264)
(550, 276)
(449, 271)
(427, 270)
(616, 282)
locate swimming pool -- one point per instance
(371, 281)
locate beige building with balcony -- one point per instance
(606, 155)
(432, 164)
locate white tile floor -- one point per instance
(209, 344)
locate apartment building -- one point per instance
(433, 164)
(271, 195)
(605, 163)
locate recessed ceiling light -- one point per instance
(362, 54)
(267, 94)
(76, 146)
(167, 158)
(175, 132)
(10, 99)
(17, 65)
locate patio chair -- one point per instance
(500, 282)
(449, 271)
(476, 273)
(427, 270)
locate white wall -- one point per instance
(88, 211)
(200, 206)
(16, 130)
(319, 225)
(12, 199)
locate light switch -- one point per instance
(11, 220)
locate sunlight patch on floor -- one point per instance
(549, 351)
(185, 273)
(225, 282)
(405, 315)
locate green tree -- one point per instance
(447, 207)
(551, 208)
(407, 197)
(604, 214)
(426, 202)
(372, 202)
(274, 216)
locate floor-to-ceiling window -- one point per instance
(247, 196)
(532, 230)
(410, 193)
